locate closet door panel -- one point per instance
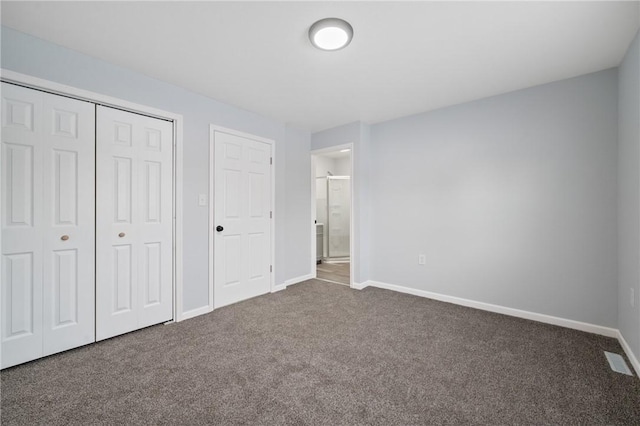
(155, 274)
(69, 212)
(134, 222)
(22, 225)
(116, 232)
(48, 145)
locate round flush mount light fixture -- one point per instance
(331, 34)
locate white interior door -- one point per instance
(242, 218)
(48, 150)
(134, 284)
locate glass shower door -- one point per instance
(338, 216)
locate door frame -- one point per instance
(212, 174)
(52, 87)
(352, 242)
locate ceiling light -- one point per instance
(345, 150)
(331, 34)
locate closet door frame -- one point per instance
(31, 82)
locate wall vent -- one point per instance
(617, 364)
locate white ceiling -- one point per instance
(405, 58)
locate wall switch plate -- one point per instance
(422, 259)
(202, 199)
(632, 297)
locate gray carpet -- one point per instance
(318, 353)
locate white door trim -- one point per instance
(314, 219)
(178, 123)
(212, 173)
(352, 242)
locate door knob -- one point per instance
(64, 237)
(121, 234)
(219, 228)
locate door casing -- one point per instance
(352, 242)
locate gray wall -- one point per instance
(348, 133)
(36, 57)
(513, 200)
(358, 134)
(298, 212)
(629, 195)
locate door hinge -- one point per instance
(270, 268)
(271, 215)
(271, 160)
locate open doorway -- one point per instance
(332, 189)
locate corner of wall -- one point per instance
(629, 201)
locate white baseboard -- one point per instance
(548, 319)
(360, 286)
(196, 312)
(278, 288)
(627, 349)
(299, 279)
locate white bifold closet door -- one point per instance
(48, 159)
(134, 222)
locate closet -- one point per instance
(86, 216)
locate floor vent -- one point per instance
(617, 363)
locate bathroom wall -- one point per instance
(336, 167)
(342, 166)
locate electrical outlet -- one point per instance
(202, 200)
(632, 297)
(422, 259)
